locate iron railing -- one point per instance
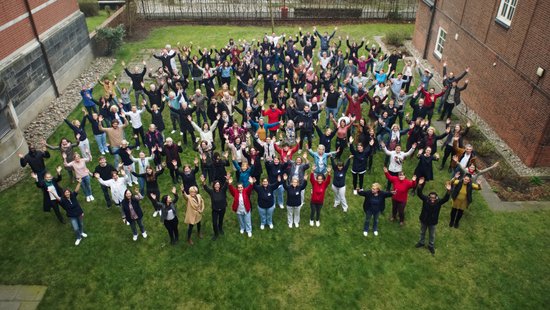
(236, 10)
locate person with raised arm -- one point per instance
(218, 199)
(74, 212)
(373, 205)
(399, 200)
(241, 205)
(51, 191)
(133, 213)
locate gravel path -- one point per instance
(48, 120)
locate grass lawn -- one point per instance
(494, 261)
(94, 21)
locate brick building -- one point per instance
(506, 44)
(44, 45)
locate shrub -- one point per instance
(503, 172)
(536, 181)
(485, 148)
(394, 38)
(89, 7)
(113, 37)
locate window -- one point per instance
(440, 43)
(429, 3)
(506, 11)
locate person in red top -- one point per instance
(399, 200)
(427, 109)
(286, 152)
(273, 116)
(354, 107)
(319, 186)
(241, 204)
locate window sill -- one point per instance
(502, 23)
(437, 56)
(429, 3)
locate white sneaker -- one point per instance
(84, 235)
(87, 198)
(270, 226)
(77, 242)
(181, 133)
(172, 132)
(345, 210)
(297, 225)
(127, 223)
(144, 234)
(136, 182)
(281, 206)
(155, 214)
(310, 223)
(376, 233)
(355, 192)
(102, 153)
(335, 206)
(289, 225)
(137, 148)
(92, 198)
(318, 223)
(262, 227)
(135, 237)
(242, 231)
(249, 234)
(365, 233)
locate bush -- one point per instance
(113, 37)
(485, 149)
(394, 38)
(537, 181)
(89, 7)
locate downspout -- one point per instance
(429, 36)
(42, 48)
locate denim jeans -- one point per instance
(78, 226)
(279, 196)
(328, 111)
(141, 182)
(86, 186)
(245, 221)
(423, 228)
(369, 215)
(203, 115)
(117, 157)
(101, 141)
(266, 215)
(133, 226)
(343, 104)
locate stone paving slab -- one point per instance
(21, 297)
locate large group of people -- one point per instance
(246, 141)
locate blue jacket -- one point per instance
(321, 161)
(87, 97)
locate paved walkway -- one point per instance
(19, 297)
(492, 199)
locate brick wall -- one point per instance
(508, 96)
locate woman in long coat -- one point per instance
(193, 213)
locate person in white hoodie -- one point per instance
(396, 160)
(137, 124)
(206, 133)
(118, 187)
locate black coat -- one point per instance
(48, 203)
(374, 204)
(71, 206)
(430, 212)
(265, 195)
(424, 168)
(125, 204)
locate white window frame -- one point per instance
(440, 42)
(506, 11)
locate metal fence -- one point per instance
(235, 10)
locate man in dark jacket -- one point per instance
(137, 79)
(35, 159)
(451, 99)
(431, 205)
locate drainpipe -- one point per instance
(432, 17)
(42, 48)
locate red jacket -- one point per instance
(354, 106)
(318, 191)
(246, 197)
(429, 100)
(273, 116)
(286, 156)
(401, 188)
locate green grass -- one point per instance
(495, 260)
(94, 21)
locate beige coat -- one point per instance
(195, 207)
